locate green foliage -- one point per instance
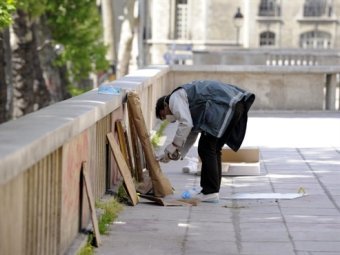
(76, 25)
(74, 91)
(122, 195)
(7, 7)
(110, 208)
(34, 7)
(155, 139)
(88, 248)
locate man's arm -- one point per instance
(191, 139)
(179, 106)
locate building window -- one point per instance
(315, 40)
(270, 8)
(267, 39)
(181, 22)
(317, 8)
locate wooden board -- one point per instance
(161, 185)
(124, 144)
(123, 169)
(136, 148)
(91, 202)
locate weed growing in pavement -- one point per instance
(110, 208)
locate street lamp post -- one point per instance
(238, 22)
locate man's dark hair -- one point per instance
(160, 105)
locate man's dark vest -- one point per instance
(219, 109)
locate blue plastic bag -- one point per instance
(109, 89)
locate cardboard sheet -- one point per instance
(246, 161)
(171, 201)
(263, 196)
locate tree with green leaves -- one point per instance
(7, 7)
(55, 43)
(76, 26)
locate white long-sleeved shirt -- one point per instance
(179, 106)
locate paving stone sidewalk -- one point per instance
(299, 151)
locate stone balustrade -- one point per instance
(270, 57)
(43, 206)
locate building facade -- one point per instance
(176, 28)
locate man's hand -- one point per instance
(172, 152)
(163, 158)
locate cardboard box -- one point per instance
(246, 161)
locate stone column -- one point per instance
(330, 91)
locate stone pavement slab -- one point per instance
(298, 150)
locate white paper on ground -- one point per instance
(264, 196)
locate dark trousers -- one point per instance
(210, 150)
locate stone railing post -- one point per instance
(330, 91)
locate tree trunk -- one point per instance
(126, 38)
(109, 30)
(3, 82)
(47, 56)
(42, 96)
(30, 92)
(8, 74)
